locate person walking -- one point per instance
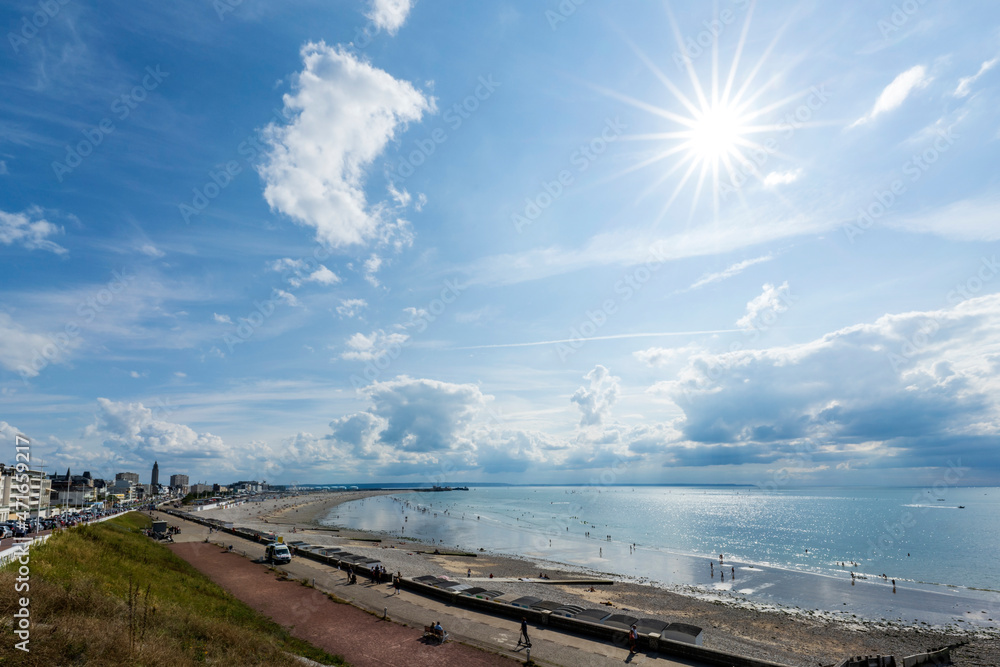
(523, 639)
(633, 638)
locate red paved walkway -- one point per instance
(362, 639)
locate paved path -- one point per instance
(491, 633)
(362, 639)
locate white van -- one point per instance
(277, 553)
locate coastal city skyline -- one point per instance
(559, 243)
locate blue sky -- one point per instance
(509, 242)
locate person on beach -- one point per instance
(523, 639)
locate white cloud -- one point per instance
(3, 168)
(222, 319)
(26, 352)
(351, 307)
(965, 83)
(772, 300)
(134, 427)
(373, 346)
(299, 271)
(389, 15)
(344, 111)
(965, 220)
(287, 297)
(908, 390)
(29, 229)
(896, 92)
(776, 178)
(729, 272)
(372, 265)
(665, 356)
(7, 435)
(151, 250)
(596, 400)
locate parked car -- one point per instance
(5, 532)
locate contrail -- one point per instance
(573, 340)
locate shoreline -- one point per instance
(794, 636)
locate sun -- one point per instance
(711, 139)
(716, 133)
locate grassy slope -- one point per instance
(80, 582)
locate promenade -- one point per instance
(497, 636)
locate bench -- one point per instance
(429, 633)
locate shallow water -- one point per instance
(794, 539)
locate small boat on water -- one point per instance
(961, 507)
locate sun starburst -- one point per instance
(714, 124)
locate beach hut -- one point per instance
(648, 626)
(593, 615)
(489, 595)
(473, 591)
(525, 601)
(620, 621)
(683, 632)
(567, 610)
(546, 605)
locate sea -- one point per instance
(915, 555)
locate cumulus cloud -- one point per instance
(136, 428)
(909, 390)
(29, 229)
(389, 15)
(222, 319)
(762, 309)
(965, 83)
(596, 400)
(344, 111)
(896, 93)
(299, 271)
(776, 178)
(373, 346)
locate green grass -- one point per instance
(82, 581)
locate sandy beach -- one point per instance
(790, 636)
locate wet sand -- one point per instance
(790, 636)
